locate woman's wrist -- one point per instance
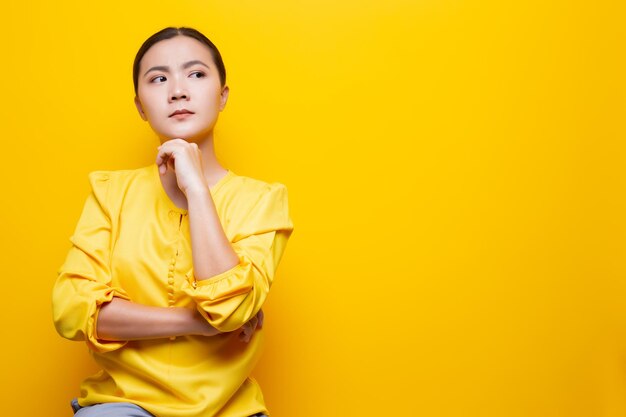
(196, 324)
(199, 191)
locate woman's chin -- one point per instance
(177, 134)
(188, 133)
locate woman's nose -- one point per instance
(179, 94)
(178, 90)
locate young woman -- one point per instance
(170, 264)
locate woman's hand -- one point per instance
(185, 160)
(203, 328)
(248, 329)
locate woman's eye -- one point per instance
(157, 78)
(197, 74)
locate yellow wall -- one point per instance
(456, 175)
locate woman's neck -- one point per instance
(213, 170)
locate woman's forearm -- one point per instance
(211, 250)
(124, 320)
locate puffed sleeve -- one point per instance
(83, 282)
(230, 299)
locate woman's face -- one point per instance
(179, 74)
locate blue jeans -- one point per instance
(116, 410)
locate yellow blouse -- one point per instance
(133, 242)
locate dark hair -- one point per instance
(169, 33)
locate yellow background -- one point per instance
(456, 177)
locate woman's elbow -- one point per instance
(68, 327)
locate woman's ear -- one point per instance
(140, 108)
(224, 97)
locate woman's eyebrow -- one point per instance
(184, 66)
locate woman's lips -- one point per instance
(181, 116)
(181, 113)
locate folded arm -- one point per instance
(121, 319)
(232, 275)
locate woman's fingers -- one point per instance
(260, 316)
(185, 160)
(244, 335)
(248, 329)
(163, 158)
(165, 152)
(252, 327)
(171, 162)
(162, 167)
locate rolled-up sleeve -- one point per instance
(230, 299)
(83, 282)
